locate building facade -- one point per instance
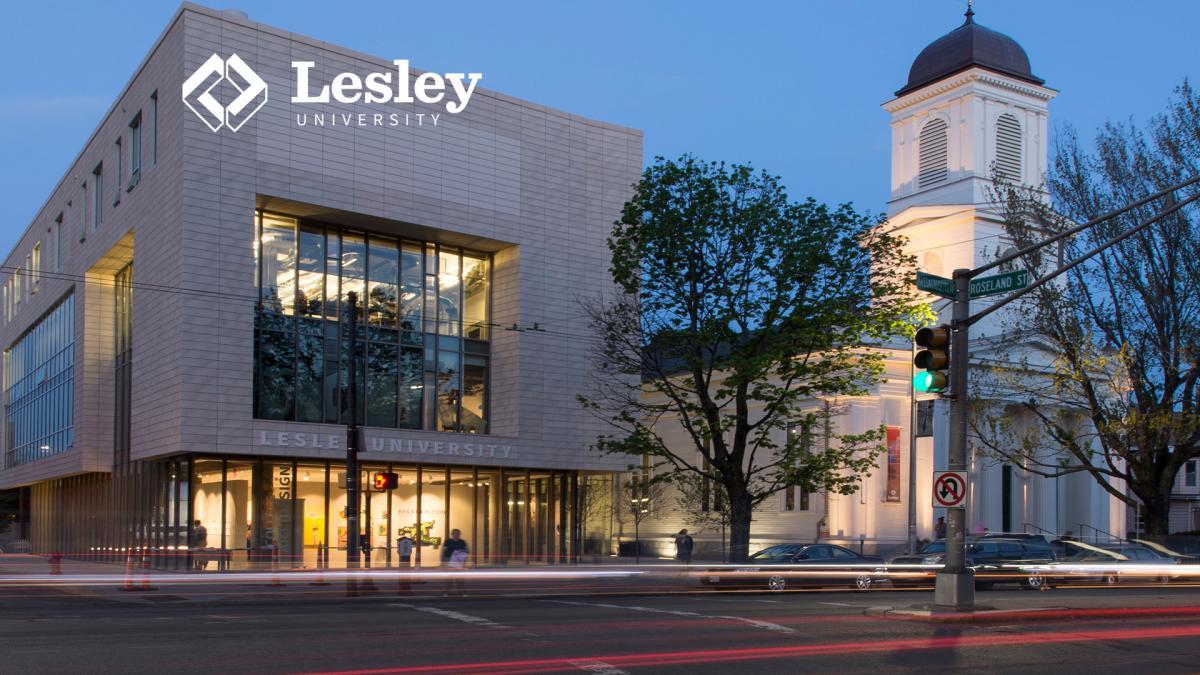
(177, 334)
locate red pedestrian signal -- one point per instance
(386, 480)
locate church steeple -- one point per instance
(971, 106)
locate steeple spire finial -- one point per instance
(970, 11)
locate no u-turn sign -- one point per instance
(949, 489)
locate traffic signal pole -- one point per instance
(955, 584)
(352, 487)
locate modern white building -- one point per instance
(177, 361)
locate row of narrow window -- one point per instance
(934, 148)
(129, 144)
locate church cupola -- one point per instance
(971, 107)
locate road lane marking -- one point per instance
(451, 614)
(766, 625)
(596, 666)
(837, 604)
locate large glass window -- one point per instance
(123, 363)
(39, 387)
(258, 513)
(239, 533)
(422, 343)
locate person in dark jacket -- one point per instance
(454, 556)
(684, 546)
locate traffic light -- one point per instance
(934, 359)
(386, 480)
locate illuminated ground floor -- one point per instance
(209, 513)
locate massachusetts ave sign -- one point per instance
(931, 283)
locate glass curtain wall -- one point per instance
(39, 387)
(423, 328)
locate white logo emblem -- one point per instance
(252, 92)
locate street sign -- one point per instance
(949, 489)
(1001, 283)
(931, 283)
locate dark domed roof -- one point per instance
(969, 45)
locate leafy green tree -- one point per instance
(736, 311)
(1114, 392)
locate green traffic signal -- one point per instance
(934, 359)
(929, 382)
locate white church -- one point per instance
(971, 103)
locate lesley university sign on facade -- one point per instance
(452, 90)
(409, 446)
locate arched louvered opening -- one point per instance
(1008, 147)
(932, 263)
(934, 147)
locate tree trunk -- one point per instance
(740, 512)
(1156, 514)
(637, 542)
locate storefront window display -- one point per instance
(433, 526)
(311, 489)
(261, 513)
(239, 511)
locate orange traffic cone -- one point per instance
(146, 573)
(129, 573)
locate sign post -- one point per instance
(955, 589)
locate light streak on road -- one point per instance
(794, 652)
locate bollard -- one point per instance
(146, 573)
(275, 569)
(55, 563)
(320, 565)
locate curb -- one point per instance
(990, 615)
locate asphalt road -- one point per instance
(705, 632)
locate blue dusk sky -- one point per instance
(793, 87)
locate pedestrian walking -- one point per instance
(404, 548)
(939, 529)
(199, 541)
(454, 558)
(683, 547)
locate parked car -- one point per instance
(784, 566)
(1180, 550)
(995, 558)
(1114, 564)
(902, 577)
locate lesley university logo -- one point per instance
(198, 92)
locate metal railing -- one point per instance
(1098, 536)
(1026, 527)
